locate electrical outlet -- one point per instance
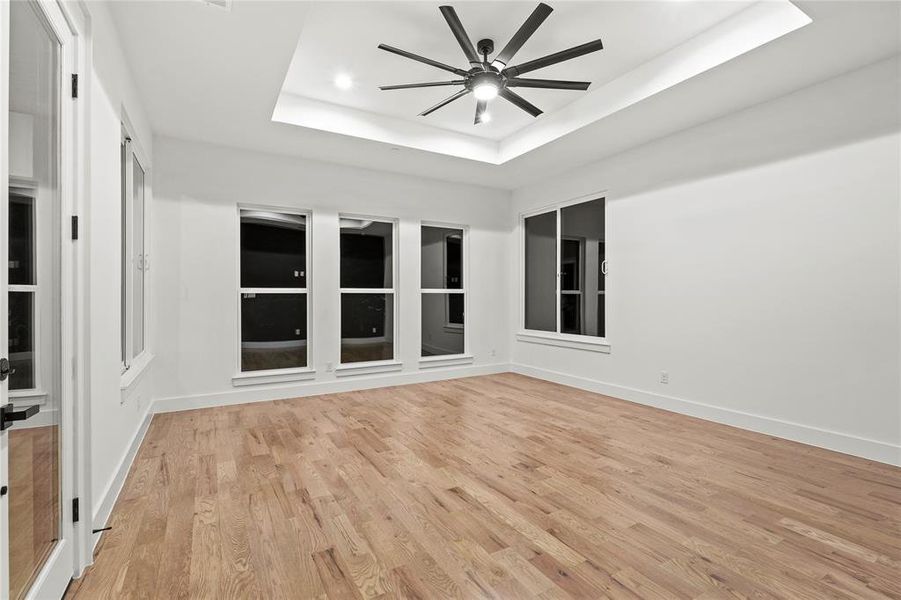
(491, 353)
(664, 377)
(329, 367)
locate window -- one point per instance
(23, 288)
(273, 306)
(135, 263)
(368, 301)
(565, 268)
(442, 288)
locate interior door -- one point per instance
(36, 391)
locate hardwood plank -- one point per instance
(500, 486)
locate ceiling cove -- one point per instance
(338, 90)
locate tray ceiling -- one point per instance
(649, 46)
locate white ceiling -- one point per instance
(215, 76)
(342, 37)
(654, 46)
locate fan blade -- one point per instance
(422, 59)
(548, 84)
(450, 15)
(444, 102)
(519, 101)
(519, 38)
(408, 86)
(553, 59)
(481, 107)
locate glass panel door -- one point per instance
(32, 426)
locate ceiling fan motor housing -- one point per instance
(485, 46)
(478, 77)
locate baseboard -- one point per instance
(813, 436)
(265, 393)
(111, 493)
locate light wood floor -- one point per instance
(33, 502)
(491, 487)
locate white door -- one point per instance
(36, 306)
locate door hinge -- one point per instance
(75, 510)
(75, 85)
(74, 227)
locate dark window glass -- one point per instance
(367, 327)
(541, 272)
(602, 315)
(442, 258)
(273, 331)
(602, 256)
(442, 324)
(454, 246)
(21, 239)
(571, 265)
(21, 340)
(581, 258)
(455, 303)
(366, 254)
(273, 250)
(571, 313)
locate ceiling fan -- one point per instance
(488, 79)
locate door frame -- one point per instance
(70, 22)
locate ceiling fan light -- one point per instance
(485, 91)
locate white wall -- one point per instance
(115, 417)
(756, 259)
(197, 188)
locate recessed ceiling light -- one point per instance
(343, 81)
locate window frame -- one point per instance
(466, 355)
(373, 366)
(556, 338)
(274, 375)
(133, 365)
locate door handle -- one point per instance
(5, 369)
(9, 414)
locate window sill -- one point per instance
(135, 372)
(577, 342)
(28, 396)
(273, 376)
(449, 360)
(367, 368)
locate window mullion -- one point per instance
(265, 290)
